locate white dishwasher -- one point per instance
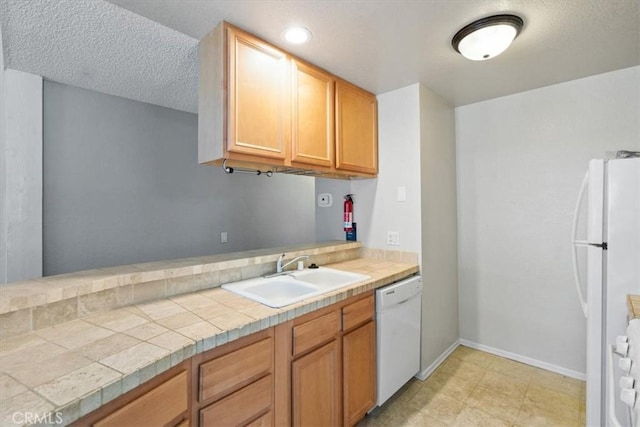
(398, 309)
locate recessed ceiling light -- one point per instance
(297, 35)
(487, 37)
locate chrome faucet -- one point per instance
(280, 268)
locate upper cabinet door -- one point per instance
(356, 129)
(312, 115)
(258, 97)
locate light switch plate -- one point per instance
(325, 200)
(393, 238)
(224, 237)
(402, 194)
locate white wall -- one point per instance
(520, 162)
(21, 175)
(377, 210)
(439, 227)
(3, 172)
(416, 147)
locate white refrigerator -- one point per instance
(612, 244)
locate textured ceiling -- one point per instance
(147, 50)
(100, 46)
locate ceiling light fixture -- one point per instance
(297, 35)
(487, 37)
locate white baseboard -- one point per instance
(424, 374)
(523, 359)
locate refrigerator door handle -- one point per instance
(575, 243)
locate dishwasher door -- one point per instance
(398, 313)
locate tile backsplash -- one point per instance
(35, 304)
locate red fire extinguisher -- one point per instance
(348, 212)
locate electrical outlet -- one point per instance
(393, 238)
(223, 237)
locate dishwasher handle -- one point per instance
(398, 293)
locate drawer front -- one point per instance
(227, 373)
(157, 407)
(263, 421)
(241, 406)
(358, 313)
(315, 332)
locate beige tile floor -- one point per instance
(474, 388)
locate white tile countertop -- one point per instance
(72, 368)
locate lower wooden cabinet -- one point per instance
(242, 407)
(158, 407)
(332, 364)
(316, 387)
(264, 421)
(323, 375)
(234, 383)
(162, 401)
(224, 374)
(359, 367)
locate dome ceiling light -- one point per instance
(487, 37)
(297, 35)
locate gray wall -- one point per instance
(329, 219)
(122, 185)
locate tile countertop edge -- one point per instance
(51, 289)
(382, 273)
(633, 304)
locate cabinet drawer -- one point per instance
(358, 313)
(263, 421)
(227, 373)
(315, 332)
(158, 407)
(241, 406)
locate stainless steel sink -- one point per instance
(296, 286)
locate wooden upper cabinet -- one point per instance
(244, 109)
(258, 121)
(356, 129)
(260, 106)
(312, 99)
